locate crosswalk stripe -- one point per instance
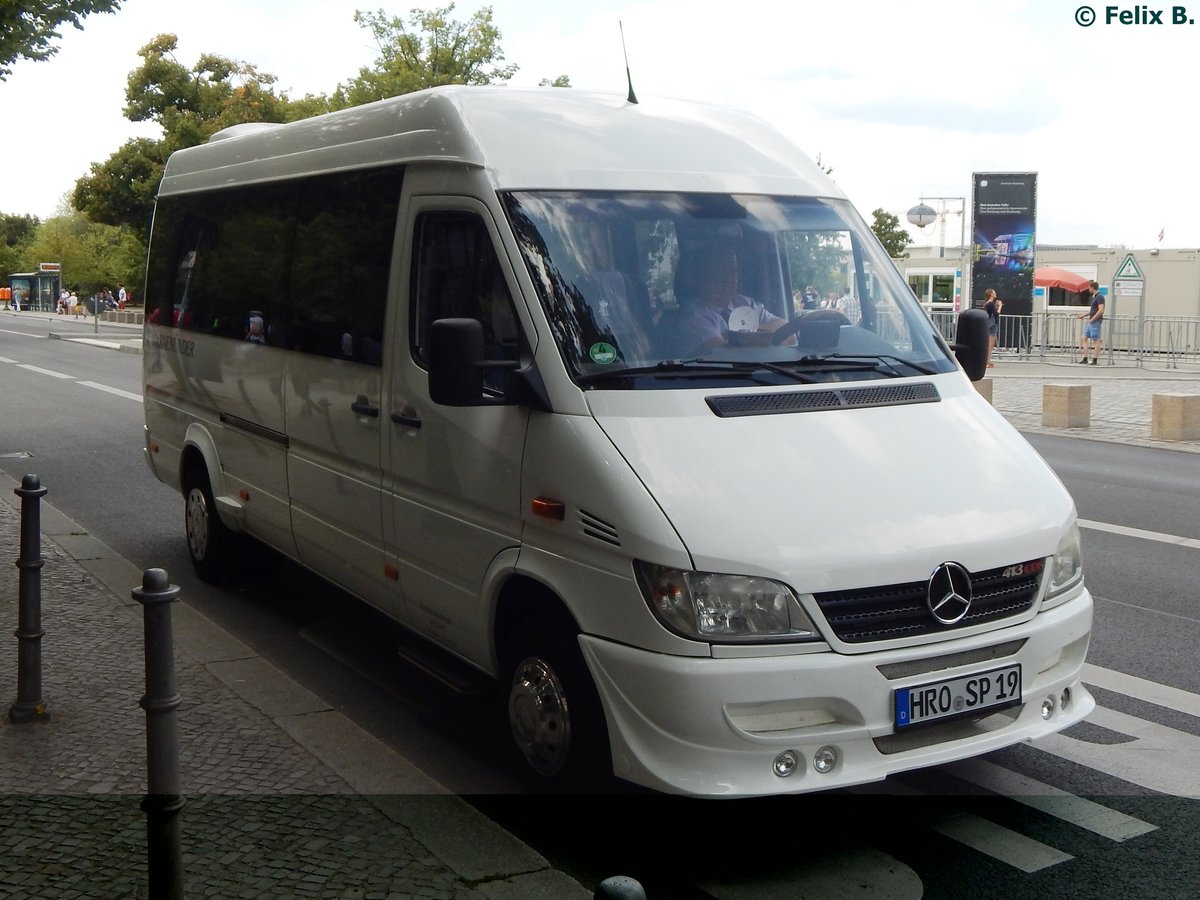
(1161, 758)
(1141, 689)
(1001, 843)
(1109, 823)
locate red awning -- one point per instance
(1050, 276)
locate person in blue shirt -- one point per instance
(1091, 329)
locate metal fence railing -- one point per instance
(1127, 340)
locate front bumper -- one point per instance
(713, 727)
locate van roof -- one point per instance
(523, 138)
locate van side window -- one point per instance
(301, 264)
(223, 254)
(345, 226)
(456, 274)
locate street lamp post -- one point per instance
(923, 214)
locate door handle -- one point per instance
(363, 407)
(406, 420)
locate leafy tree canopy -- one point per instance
(190, 104)
(432, 49)
(887, 228)
(29, 27)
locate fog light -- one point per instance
(1065, 700)
(824, 760)
(786, 763)
(1047, 707)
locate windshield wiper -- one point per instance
(699, 367)
(839, 359)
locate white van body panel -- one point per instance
(898, 491)
(335, 473)
(520, 141)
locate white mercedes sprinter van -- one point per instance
(469, 354)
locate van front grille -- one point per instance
(888, 612)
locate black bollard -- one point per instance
(619, 887)
(29, 706)
(163, 802)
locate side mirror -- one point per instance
(455, 354)
(457, 364)
(971, 342)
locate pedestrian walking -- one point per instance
(992, 306)
(1091, 329)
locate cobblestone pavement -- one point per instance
(283, 796)
(1122, 397)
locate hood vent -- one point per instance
(598, 529)
(730, 405)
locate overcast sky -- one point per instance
(903, 100)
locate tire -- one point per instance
(211, 545)
(554, 714)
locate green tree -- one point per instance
(28, 29)
(93, 256)
(15, 234)
(560, 81)
(190, 104)
(887, 228)
(431, 50)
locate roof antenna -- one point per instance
(632, 98)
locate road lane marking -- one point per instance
(1000, 843)
(1141, 689)
(1159, 758)
(42, 371)
(1098, 819)
(5, 359)
(1159, 536)
(112, 390)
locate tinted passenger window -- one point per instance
(301, 264)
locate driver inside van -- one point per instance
(720, 315)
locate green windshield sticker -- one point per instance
(602, 353)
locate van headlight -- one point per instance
(723, 608)
(1066, 569)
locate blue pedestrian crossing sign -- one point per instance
(1128, 270)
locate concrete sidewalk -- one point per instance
(1122, 396)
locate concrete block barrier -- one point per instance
(1066, 405)
(1175, 417)
(984, 387)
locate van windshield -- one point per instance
(659, 290)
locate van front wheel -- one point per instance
(554, 713)
(210, 543)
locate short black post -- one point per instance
(29, 706)
(163, 802)
(619, 887)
